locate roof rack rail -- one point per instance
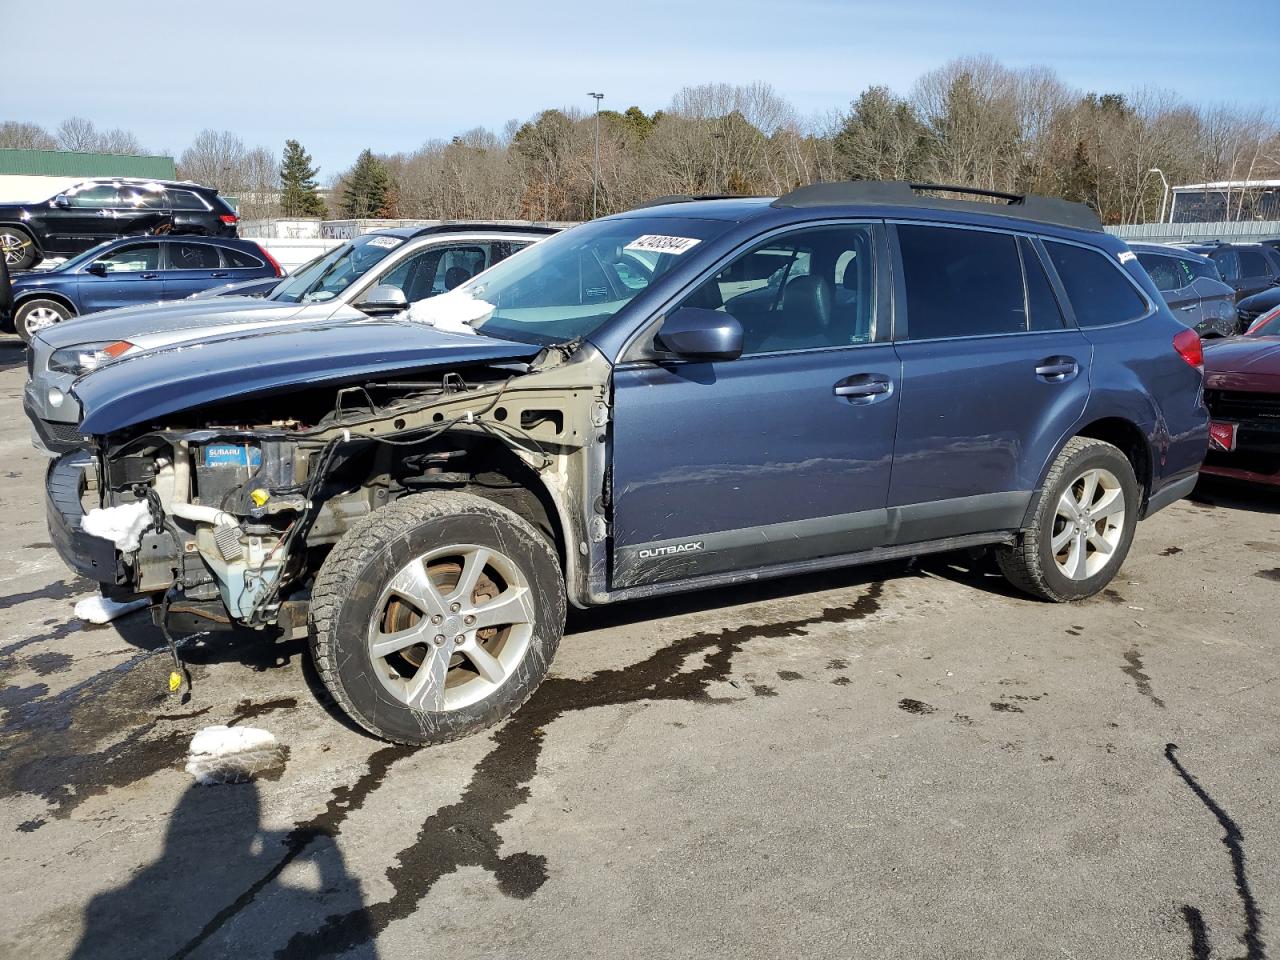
(686, 198)
(1064, 213)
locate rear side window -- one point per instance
(193, 256)
(1253, 264)
(1199, 267)
(186, 200)
(1164, 271)
(961, 283)
(1043, 310)
(1100, 293)
(1228, 262)
(240, 259)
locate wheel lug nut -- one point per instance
(460, 639)
(437, 619)
(455, 607)
(468, 620)
(439, 639)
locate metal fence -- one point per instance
(1240, 230)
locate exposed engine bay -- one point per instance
(236, 509)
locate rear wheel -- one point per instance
(1083, 526)
(32, 316)
(18, 248)
(436, 617)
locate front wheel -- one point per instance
(33, 316)
(436, 617)
(1083, 525)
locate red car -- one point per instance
(1242, 391)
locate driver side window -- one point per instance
(806, 290)
(136, 258)
(101, 196)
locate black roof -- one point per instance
(462, 226)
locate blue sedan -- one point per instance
(130, 271)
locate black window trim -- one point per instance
(1051, 267)
(883, 272)
(1055, 282)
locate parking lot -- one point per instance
(907, 760)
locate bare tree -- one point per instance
(20, 135)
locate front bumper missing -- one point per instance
(65, 484)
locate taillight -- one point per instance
(1187, 343)
(271, 260)
(228, 218)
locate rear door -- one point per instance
(1217, 299)
(126, 276)
(1175, 285)
(192, 266)
(992, 376)
(778, 456)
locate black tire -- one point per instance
(23, 314)
(350, 589)
(18, 249)
(1030, 563)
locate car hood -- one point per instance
(1243, 363)
(146, 386)
(1260, 302)
(156, 324)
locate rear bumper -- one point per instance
(65, 483)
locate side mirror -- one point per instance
(695, 333)
(62, 200)
(97, 269)
(384, 297)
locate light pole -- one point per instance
(595, 173)
(1165, 198)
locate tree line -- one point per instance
(972, 121)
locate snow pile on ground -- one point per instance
(221, 754)
(122, 525)
(102, 610)
(453, 312)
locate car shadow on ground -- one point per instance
(1213, 492)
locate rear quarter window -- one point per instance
(239, 259)
(1099, 291)
(187, 200)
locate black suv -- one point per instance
(103, 209)
(1248, 267)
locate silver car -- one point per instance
(1192, 287)
(376, 274)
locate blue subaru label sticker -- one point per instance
(231, 455)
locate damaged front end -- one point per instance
(222, 516)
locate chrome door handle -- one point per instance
(1057, 369)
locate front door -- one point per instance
(82, 218)
(991, 375)
(126, 276)
(778, 456)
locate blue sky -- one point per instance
(340, 76)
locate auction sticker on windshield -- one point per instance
(385, 242)
(660, 244)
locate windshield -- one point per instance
(327, 277)
(1269, 325)
(568, 285)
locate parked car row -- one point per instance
(101, 209)
(689, 394)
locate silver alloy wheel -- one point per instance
(450, 627)
(1088, 524)
(41, 317)
(14, 246)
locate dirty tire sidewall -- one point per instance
(1029, 564)
(25, 309)
(351, 581)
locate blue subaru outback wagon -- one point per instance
(693, 393)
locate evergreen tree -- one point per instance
(298, 197)
(367, 188)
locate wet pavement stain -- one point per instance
(918, 707)
(1170, 551)
(837, 663)
(1233, 840)
(53, 661)
(1269, 574)
(465, 833)
(763, 690)
(1001, 707)
(31, 826)
(842, 681)
(61, 590)
(1133, 668)
(1113, 596)
(789, 675)
(248, 710)
(963, 718)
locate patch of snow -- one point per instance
(453, 312)
(222, 754)
(102, 610)
(122, 525)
